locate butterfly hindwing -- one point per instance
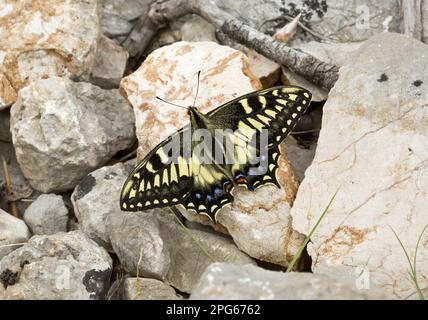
(159, 180)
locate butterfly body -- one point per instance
(236, 144)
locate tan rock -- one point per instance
(258, 221)
(267, 71)
(44, 38)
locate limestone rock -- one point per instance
(155, 243)
(373, 149)
(267, 71)
(61, 266)
(110, 64)
(197, 29)
(119, 16)
(170, 72)
(12, 231)
(227, 282)
(62, 130)
(147, 289)
(42, 38)
(95, 198)
(328, 18)
(47, 215)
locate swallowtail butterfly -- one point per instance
(173, 173)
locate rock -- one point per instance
(228, 282)
(5, 134)
(147, 289)
(197, 29)
(424, 5)
(110, 64)
(334, 53)
(47, 215)
(170, 72)
(267, 71)
(327, 18)
(373, 150)
(61, 266)
(13, 231)
(19, 185)
(62, 130)
(95, 198)
(299, 157)
(119, 16)
(42, 40)
(155, 243)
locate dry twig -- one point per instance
(8, 184)
(163, 11)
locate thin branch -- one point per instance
(8, 184)
(163, 11)
(412, 18)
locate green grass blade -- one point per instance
(420, 293)
(308, 237)
(191, 236)
(412, 267)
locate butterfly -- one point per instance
(240, 147)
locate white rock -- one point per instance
(95, 198)
(65, 266)
(62, 130)
(228, 282)
(47, 215)
(155, 244)
(110, 64)
(373, 149)
(12, 231)
(147, 289)
(40, 41)
(170, 73)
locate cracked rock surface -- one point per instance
(373, 150)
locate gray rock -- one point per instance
(60, 266)
(95, 198)
(197, 29)
(110, 64)
(5, 134)
(48, 214)
(229, 282)
(119, 16)
(372, 151)
(147, 289)
(62, 130)
(299, 157)
(12, 231)
(155, 243)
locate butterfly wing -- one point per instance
(273, 112)
(167, 176)
(161, 179)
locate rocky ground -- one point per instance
(77, 105)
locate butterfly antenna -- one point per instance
(197, 89)
(173, 104)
